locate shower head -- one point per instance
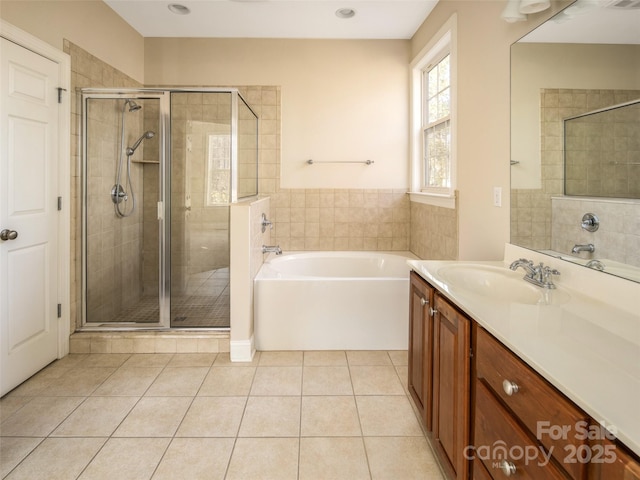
(133, 106)
(145, 135)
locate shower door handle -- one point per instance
(7, 234)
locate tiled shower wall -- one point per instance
(201, 239)
(114, 263)
(617, 237)
(531, 209)
(603, 152)
(89, 71)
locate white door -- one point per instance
(28, 208)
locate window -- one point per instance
(433, 120)
(436, 125)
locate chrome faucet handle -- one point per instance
(545, 274)
(264, 222)
(596, 265)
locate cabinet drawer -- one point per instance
(548, 415)
(499, 438)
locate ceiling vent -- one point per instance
(623, 4)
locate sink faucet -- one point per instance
(589, 247)
(538, 275)
(272, 248)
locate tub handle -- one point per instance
(424, 301)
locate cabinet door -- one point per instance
(451, 388)
(610, 461)
(421, 347)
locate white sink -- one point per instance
(499, 284)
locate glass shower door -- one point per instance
(201, 149)
(121, 193)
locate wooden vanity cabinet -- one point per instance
(505, 403)
(451, 387)
(613, 462)
(439, 373)
(531, 401)
(421, 347)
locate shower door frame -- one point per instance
(164, 202)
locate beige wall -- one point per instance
(88, 23)
(564, 66)
(341, 100)
(484, 42)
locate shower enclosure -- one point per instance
(160, 171)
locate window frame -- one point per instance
(441, 45)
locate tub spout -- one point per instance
(589, 247)
(272, 248)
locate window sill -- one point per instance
(446, 201)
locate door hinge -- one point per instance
(59, 310)
(470, 352)
(60, 90)
(59, 203)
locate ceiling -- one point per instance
(383, 19)
(603, 23)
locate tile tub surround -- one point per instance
(285, 415)
(618, 237)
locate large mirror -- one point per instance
(585, 59)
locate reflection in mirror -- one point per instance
(601, 152)
(570, 66)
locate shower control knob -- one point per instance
(7, 234)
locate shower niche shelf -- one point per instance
(146, 161)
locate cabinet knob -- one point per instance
(509, 387)
(432, 311)
(424, 301)
(507, 468)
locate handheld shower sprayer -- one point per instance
(144, 136)
(118, 193)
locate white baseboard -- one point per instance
(242, 350)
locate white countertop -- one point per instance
(588, 348)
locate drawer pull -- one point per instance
(424, 301)
(507, 468)
(509, 387)
(432, 311)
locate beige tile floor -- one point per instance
(287, 415)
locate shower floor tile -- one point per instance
(205, 303)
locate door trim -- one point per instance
(28, 41)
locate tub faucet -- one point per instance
(538, 275)
(589, 247)
(596, 265)
(272, 248)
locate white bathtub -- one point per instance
(332, 301)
